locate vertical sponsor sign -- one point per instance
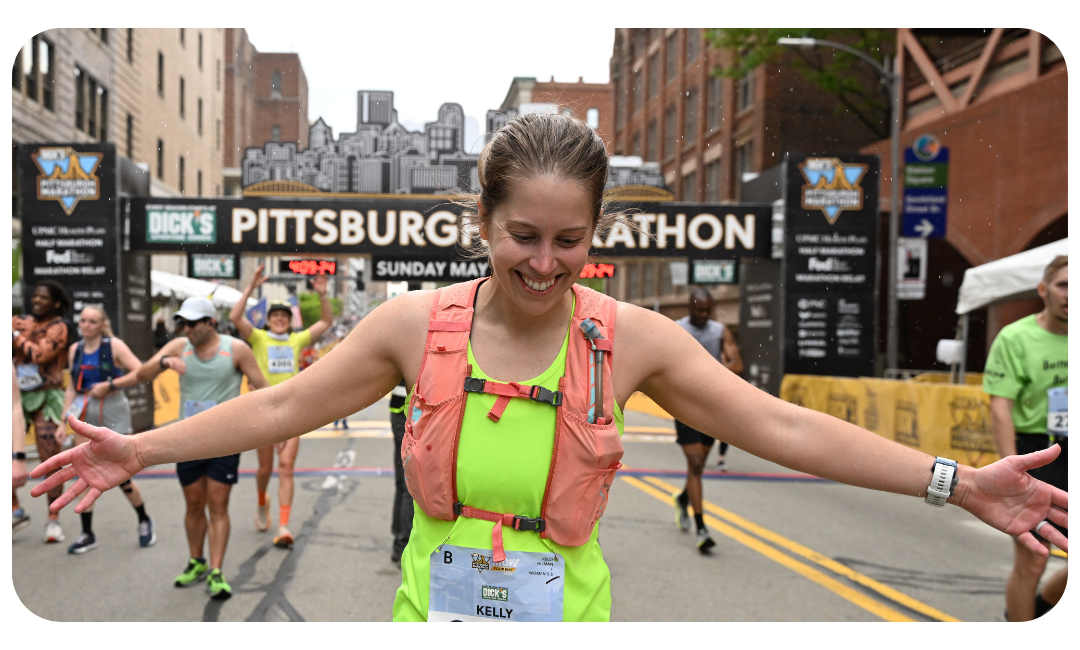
(830, 264)
(68, 203)
(761, 315)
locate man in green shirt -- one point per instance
(1027, 377)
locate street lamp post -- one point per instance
(893, 80)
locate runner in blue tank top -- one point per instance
(210, 366)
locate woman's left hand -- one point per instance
(1005, 496)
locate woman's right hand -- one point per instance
(107, 460)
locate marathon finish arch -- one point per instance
(411, 228)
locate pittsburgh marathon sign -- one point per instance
(425, 228)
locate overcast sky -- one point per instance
(340, 59)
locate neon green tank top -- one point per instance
(503, 467)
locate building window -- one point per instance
(275, 133)
(160, 74)
(181, 97)
(689, 187)
(712, 182)
(199, 117)
(217, 65)
(638, 92)
(649, 271)
(716, 102)
(181, 35)
(592, 117)
(129, 132)
(672, 55)
(636, 147)
(620, 105)
(200, 50)
(180, 172)
(45, 71)
(198, 183)
(33, 71)
(654, 74)
(693, 43)
(275, 85)
(131, 45)
(91, 105)
(744, 164)
(217, 134)
(103, 113)
(80, 100)
(691, 118)
(669, 131)
(651, 143)
(104, 34)
(745, 92)
(160, 160)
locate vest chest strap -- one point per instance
(506, 391)
(517, 522)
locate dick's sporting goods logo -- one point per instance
(67, 176)
(494, 593)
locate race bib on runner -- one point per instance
(467, 586)
(29, 376)
(281, 359)
(76, 408)
(1057, 415)
(193, 407)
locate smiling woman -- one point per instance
(513, 435)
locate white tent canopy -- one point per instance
(167, 285)
(1010, 278)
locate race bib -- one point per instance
(281, 359)
(77, 406)
(1057, 415)
(467, 586)
(193, 407)
(29, 376)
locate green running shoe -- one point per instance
(216, 585)
(195, 571)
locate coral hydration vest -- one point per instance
(584, 458)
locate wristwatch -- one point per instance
(112, 386)
(18, 455)
(943, 482)
(161, 361)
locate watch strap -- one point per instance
(942, 483)
(18, 455)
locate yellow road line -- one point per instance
(808, 572)
(815, 557)
(643, 429)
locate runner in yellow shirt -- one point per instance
(277, 351)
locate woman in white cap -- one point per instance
(497, 362)
(210, 366)
(277, 350)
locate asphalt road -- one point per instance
(787, 550)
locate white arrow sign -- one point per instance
(924, 228)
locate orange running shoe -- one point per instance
(284, 538)
(262, 517)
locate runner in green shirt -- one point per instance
(542, 179)
(1027, 377)
(277, 351)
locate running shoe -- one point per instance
(721, 466)
(262, 517)
(216, 585)
(195, 571)
(682, 517)
(284, 538)
(704, 541)
(54, 534)
(83, 543)
(146, 533)
(19, 520)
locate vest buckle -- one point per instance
(457, 509)
(528, 523)
(474, 385)
(541, 394)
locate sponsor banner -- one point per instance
(941, 419)
(211, 266)
(713, 271)
(427, 228)
(761, 303)
(830, 264)
(428, 270)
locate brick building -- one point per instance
(999, 100)
(266, 100)
(591, 102)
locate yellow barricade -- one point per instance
(940, 419)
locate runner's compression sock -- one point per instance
(699, 519)
(87, 521)
(141, 511)
(262, 498)
(283, 515)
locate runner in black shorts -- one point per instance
(717, 339)
(1027, 377)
